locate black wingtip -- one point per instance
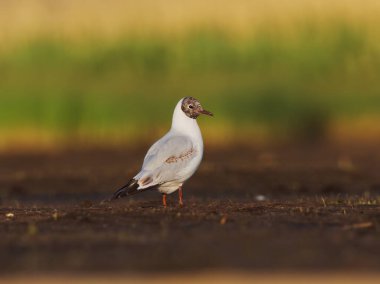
(128, 189)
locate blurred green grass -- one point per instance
(125, 89)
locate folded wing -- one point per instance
(168, 159)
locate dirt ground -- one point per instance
(279, 209)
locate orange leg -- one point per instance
(164, 200)
(180, 196)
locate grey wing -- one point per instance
(167, 159)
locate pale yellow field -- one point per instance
(145, 49)
(74, 19)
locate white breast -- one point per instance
(175, 157)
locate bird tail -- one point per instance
(128, 189)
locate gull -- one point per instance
(174, 158)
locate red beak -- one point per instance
(206, 112)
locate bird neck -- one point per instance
(184, 124)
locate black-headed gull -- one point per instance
(174, 158)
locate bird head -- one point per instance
(193, 108)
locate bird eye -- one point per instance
(191, 106)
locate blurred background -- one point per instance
(109, 73)
(294, 83)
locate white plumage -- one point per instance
(175, 157)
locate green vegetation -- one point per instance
(280, 85)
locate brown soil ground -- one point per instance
(293, 209)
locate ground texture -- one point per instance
(310, 208)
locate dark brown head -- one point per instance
(192, 108)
